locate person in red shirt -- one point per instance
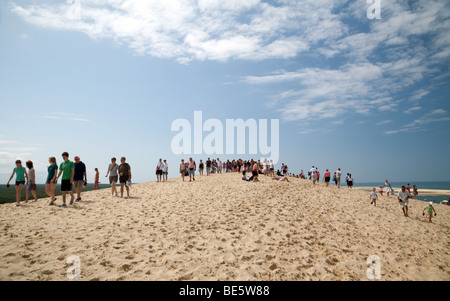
(327, 177)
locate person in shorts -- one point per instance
(373, 197)
(21, 175)
(208, 167)
(113, 172)
(31, 187)
(313, 172)
(159, 170)
(50, 184)
(201, 166)
(165, 170)
(327, 176)
(192, 166)
(80, 174)
(67, 169)
(429, 210)
(350, 181)
(124, 176)
(403, 197)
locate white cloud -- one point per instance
(435, 116)
(413, 109)
(384, 122)
(201, 30)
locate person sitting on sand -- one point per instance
(281, 179)
(403, 197)
(429, 210)
(373, 197)
(255, 172)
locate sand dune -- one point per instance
(222, 228)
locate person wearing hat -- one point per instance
(80, 174)
(429, 210)
(403, 197)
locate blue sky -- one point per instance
(107, 78)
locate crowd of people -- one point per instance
(73, 173)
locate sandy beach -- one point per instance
(222, 228)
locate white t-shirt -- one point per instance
(165, 167)
(313, 171)
(403, 195)
(338, 174)
(159, 165)
(373, 195)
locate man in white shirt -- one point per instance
(338, 177)
(219, 166)
(313, 175)
(403, 197)
(165, 169)
(159, 170)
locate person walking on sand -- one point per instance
(50, 184)
(208, 167)
(159, 171)
(381, 190)
(165, 169)
(415, 191)
(21, 175)
(31, 187)
(327, 176)
(429, 209)
(113, 172)
(313, 172)
(201, 166)
(182, 169)
(192, 167)
(338, 177)
(388, 187)
(97, 179)
(403, 197)
(219, 166)
(350, 181)
(67, 169)
(80, 174)
(373, 197)
(124, 176)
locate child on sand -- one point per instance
(373, 197)
(21, 175)
(381, 190)
(429, 210)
